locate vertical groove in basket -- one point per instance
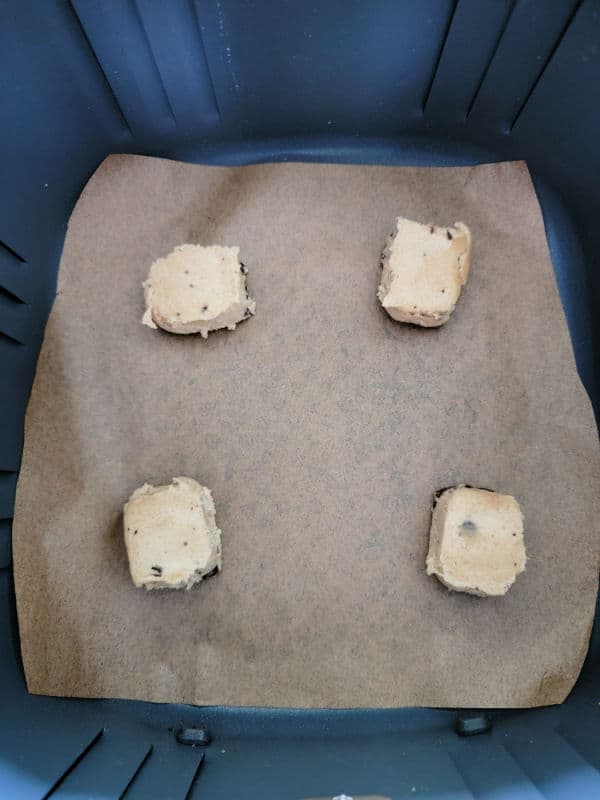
(492, 56)
(77, 759)
(140, 20)
(439, 55)
(544, 66)
(11, 252)
(84, 34)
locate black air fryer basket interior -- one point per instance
(429, 82)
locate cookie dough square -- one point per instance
(171, 535)
(197, 289)
(476, 541)
(424, 270)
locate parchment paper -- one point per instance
(322, 428)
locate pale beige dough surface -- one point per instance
(476, 541)
(171, 536)
(197, 289)
(424, 270)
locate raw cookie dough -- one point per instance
(197, 289)
(476, 541)
(424, 270)
(171, 535)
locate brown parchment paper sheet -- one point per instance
(322, 428)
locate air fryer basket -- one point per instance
(428, 82)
